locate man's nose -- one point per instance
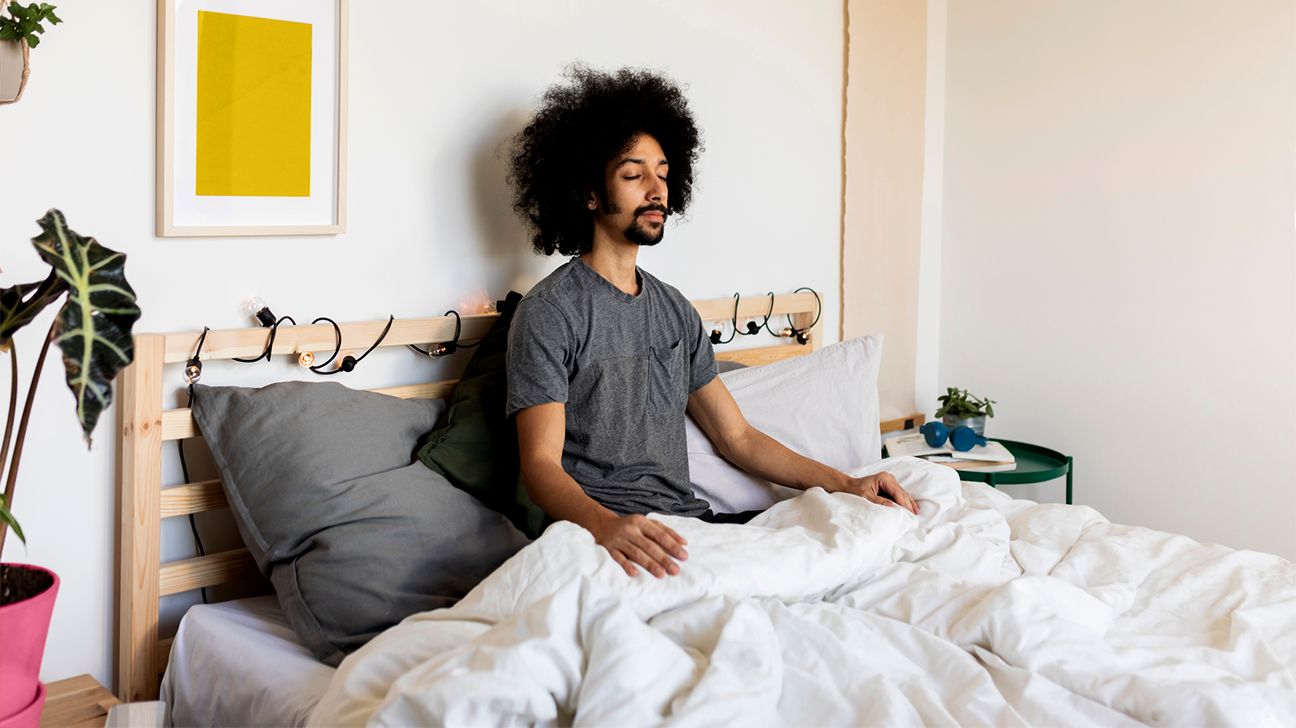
(657, 193)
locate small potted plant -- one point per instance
(20, 31)
(93, 329)
(961, 407)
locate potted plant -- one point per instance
(961, 407)
(93, 330)
(19, 33)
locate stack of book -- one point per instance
(991, 457)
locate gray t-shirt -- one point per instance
(624, 366)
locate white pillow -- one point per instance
(822, 405)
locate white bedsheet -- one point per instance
(238, 663)
(829, 610)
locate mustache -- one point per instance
(652, 208)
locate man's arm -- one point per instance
(748, 448)
(633, 539)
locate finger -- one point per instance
(891, 487)
(668, 540)
(913, 502)
(909, 503)
(880, 500)
(641, 557)
(625, 564)
(656, 553)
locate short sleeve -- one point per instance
(702, 363)
(539, 356)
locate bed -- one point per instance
(824, 610)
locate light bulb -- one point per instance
(256, 309)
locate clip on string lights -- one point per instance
(733, 322)
(260, 312)
(790, 331)
(348, 363)
(448, 347)
(754, 328)
(803, 335)
(265, 354)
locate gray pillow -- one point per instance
(724, 365)
(354, 533)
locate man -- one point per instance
(604, 358)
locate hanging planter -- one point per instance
(15, 67)
(21, 27)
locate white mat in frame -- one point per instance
(180, 211)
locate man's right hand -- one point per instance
(638, 540)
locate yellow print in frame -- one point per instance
(254, 106)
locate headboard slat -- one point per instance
(181, 500)
(178, 424)
(209, 570)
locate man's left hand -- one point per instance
(881, 488)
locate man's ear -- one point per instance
(591, 200)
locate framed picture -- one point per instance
(251, 127)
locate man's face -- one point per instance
(636, 192)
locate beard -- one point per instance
(642, 233)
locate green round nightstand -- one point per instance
(1035, 464)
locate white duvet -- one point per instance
(829, 610)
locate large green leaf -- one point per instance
(94, 326)
(21, 303)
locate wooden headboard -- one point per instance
(143, 579)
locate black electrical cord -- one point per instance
(733, 325)
(193, 370)
(754, 328)
(765, 323)
(270, 342)
(337, 344)
(453, 346)
(349, 362)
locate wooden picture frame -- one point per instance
(217, 186)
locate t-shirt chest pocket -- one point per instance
(667, 385)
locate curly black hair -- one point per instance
(562, 154)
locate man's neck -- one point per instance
(615, 261)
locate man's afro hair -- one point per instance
(583, 124)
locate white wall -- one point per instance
(435, 87)
(882, 242)
(1118, 266)
(927, 334)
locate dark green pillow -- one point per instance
(475, 446)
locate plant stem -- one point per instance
(13, 407)
(4, 451)
(22, 425)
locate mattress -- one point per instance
(239, 663)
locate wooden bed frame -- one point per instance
(143, 426)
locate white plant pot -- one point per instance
(14, 69)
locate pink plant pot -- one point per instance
(23, 628)
(28, 717)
